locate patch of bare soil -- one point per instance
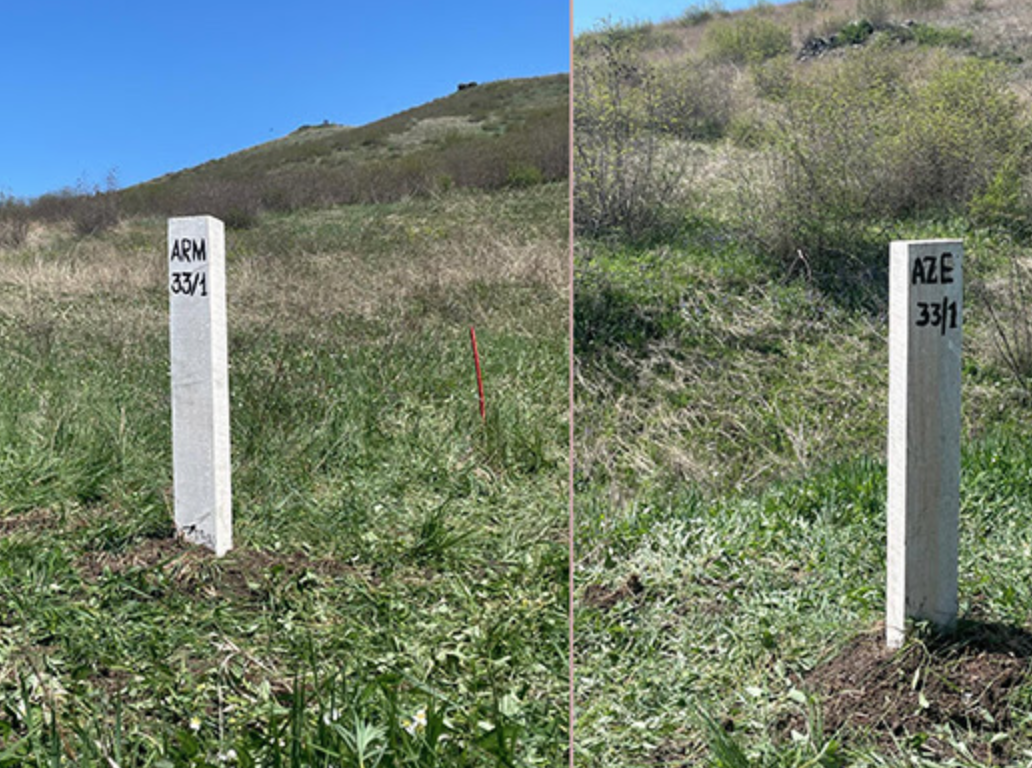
(606, 598)
(964, 680)
(240, 574)
(670, 753)
(33, 520)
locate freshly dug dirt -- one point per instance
(964, 680)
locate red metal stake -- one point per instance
(476, 360)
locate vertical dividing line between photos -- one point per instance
(570, 369)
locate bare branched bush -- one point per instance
(94, 210)
(693, 98)
(1009, 306)
(14, 223)
(624, 179)
(93, 214)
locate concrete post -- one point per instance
(200, 381)
(925, 320)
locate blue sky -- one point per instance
(144, 88)
(587, 13)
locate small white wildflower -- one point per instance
(195, 723)
(229, 756)
(331, 717)
(416, 724)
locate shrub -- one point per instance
(864, 140)
(1005, 204)
(95, 213)
(855, 33)
(944, 37)
(631, 36)
(824, 169)
(14, 223)
(959, 128)
(748, 132)
(919, 6)
(623, 179)
(700, 13)
(876, 10)
(693, 100)
(746, 39)
(1009, 308)
(524, 175)
(773, 78)
(276, 198)
(239, 217)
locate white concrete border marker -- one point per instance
(200, 381)
(925, 321)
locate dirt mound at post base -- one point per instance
(963, 680)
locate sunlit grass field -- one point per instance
(730, 500)
(396, 594)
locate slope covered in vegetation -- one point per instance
(396, 595)
(509, 133)
(738, 180)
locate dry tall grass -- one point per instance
(301, 269)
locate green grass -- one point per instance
(743, 594)
(731, 495)
(393, 555)
(731, 401)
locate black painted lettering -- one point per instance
(189, 283)
(189, 250)
(936, 315)
(924, 318)
(930, 270)
(917, 274)
(941, 315)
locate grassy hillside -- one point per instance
(738, 184)
(509, 133)
(397, 591)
